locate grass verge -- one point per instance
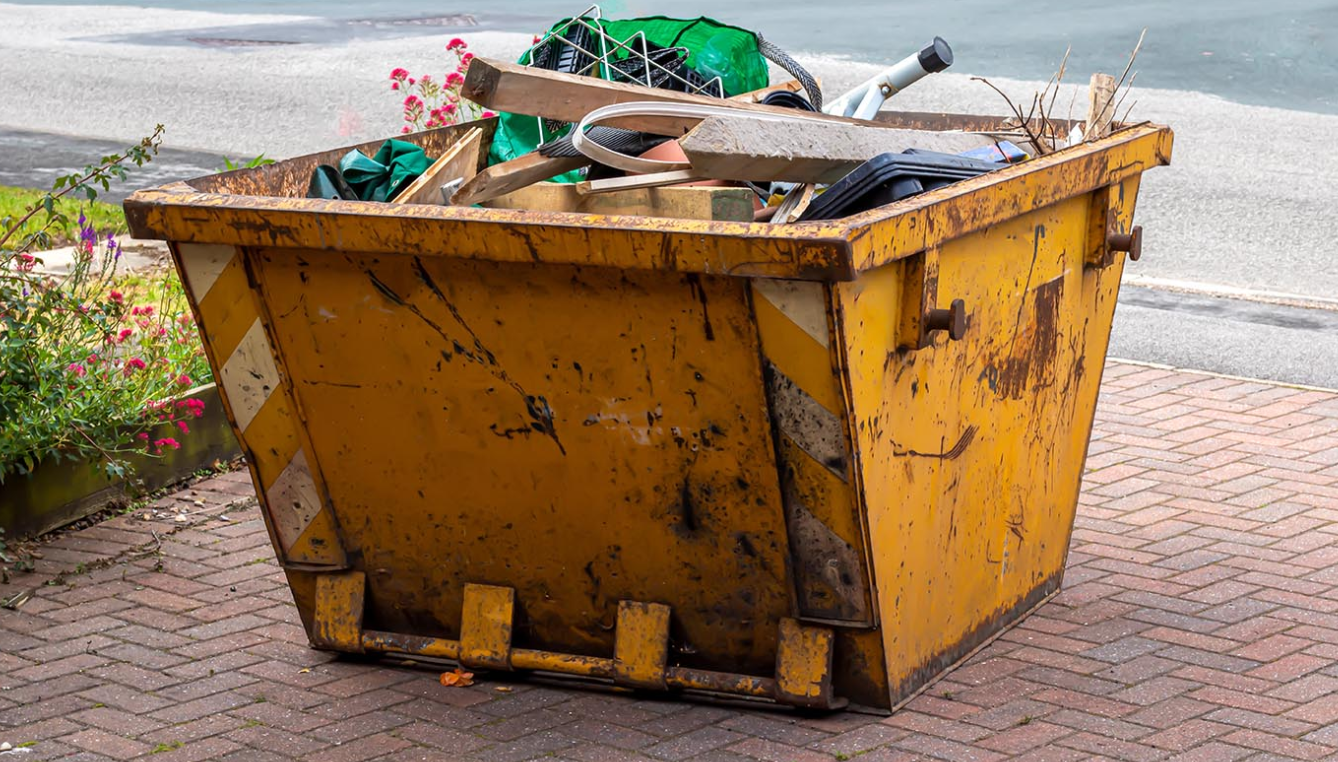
(14, 203)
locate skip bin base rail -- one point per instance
(641, 649)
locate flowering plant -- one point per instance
(437, 103)
(90, 359)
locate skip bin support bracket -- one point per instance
(640, 655)
(921, 315)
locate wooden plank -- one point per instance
(1100, 106)
(687, 202)
(651, 180)
(810, 152)
(569, 97)
(460, 161)
(508, 176)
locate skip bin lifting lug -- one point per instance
(640, 655)
(1105, 239)
(1131, 242)
(952, 320)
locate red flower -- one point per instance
(77, 369)
(394, 85)
(404, 130)
(92, 359)
(488, 114)
(184, 428)
(466, 58)
(455, 43)
(166, 442)
(399, 74)
(143, 436)
(116, 297)
(413, 101)
(133, 364)
(183, 380)
(426, 79)
(124, 334)
(454, 78)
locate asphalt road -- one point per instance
(1235, 337)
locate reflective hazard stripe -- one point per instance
(258, 400)
(808, 415)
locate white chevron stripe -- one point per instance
(293, 500)
(803, 302)
(249, 376)
(203, 264)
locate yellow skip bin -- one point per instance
(814, 463)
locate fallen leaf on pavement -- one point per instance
(304, 670)
(457, 679)
(503, 689)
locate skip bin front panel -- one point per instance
(971, 451)
(583, 435)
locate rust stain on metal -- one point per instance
(1032, 351)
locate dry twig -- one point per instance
(1017, 111)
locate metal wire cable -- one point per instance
(776, 55)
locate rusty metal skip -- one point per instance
(809, 463)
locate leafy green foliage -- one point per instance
(256, 161)
(92, 358)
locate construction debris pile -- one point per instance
(640, 116)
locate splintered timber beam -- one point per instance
(569, 97)
(811, 152)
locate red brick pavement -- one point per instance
(1198, 621)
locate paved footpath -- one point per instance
(1199, 620)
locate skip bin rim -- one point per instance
(833, 250)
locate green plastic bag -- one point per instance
(381, 177)
(715, 49)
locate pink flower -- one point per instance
(426, 79)
(143, 436)
(399, 75)
(404, 130)
(456, 42)
(116, 297)
(92, 359)
(413, 101)
(488, 114)
(183, 380)
(394, 85)
(413, 81)
(466, 58)
(449, 108)
(124, 334)
(166, 442)
(133, 364)
(77, 369)
(184, 428)
(454, 78)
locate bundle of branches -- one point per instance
(1046, 133)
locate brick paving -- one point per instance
(1198, 621)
